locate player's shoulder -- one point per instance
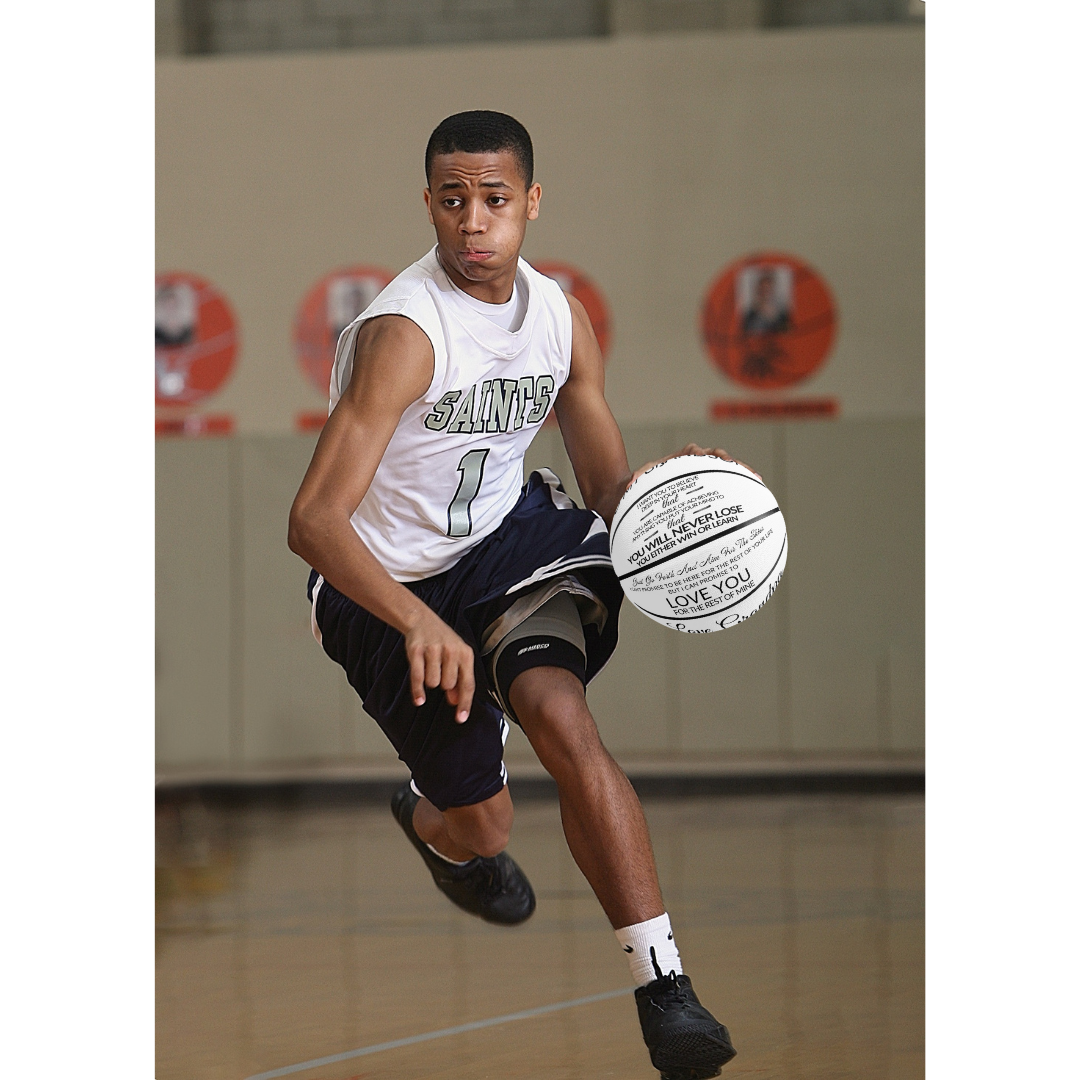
(579, 317)
(556, 302)
(547, 287)
(577, 310)
(394, 332)
(412, 295)
(408, 290)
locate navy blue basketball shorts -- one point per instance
(507, 598)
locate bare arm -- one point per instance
(592, 437)
(593, 440)
(393, 366)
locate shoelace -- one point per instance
(494, 876)
(669, 992)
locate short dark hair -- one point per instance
(481, 132)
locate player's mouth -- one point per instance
(476, 256)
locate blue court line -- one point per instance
(333, 1059)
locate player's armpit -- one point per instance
(593, 441)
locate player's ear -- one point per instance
(534, 202)
(427, 203)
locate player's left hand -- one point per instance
(697, 451)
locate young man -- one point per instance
(452, 597)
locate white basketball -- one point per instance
(698, 543)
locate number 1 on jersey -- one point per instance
(459, 514)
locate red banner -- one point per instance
(774, 410)
(194, 426)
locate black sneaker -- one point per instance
(495, 889)
(685, 1041)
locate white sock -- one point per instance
(644, 940)
(445, 859)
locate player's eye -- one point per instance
(497, 200)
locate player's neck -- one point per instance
(497, 290)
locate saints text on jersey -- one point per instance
(493, 405)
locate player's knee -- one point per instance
(485, 827)
(560, 727)
(547, 695)
(570, 755)
(489, 837)
(491, 842)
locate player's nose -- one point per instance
(472, 221)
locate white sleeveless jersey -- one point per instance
(453, 468)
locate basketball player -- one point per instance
(453, 598)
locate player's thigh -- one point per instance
(452, 764)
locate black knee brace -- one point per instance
(550, 637)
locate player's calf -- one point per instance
(608, 836)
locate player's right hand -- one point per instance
(439, 657)
(693, 450)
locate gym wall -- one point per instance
(662, 159)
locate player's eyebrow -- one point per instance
(450, 184)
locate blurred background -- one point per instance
(734, 190)
(694, 154)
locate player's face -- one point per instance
(479, 206)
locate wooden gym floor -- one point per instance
(286, 936)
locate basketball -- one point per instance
(698, 543)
